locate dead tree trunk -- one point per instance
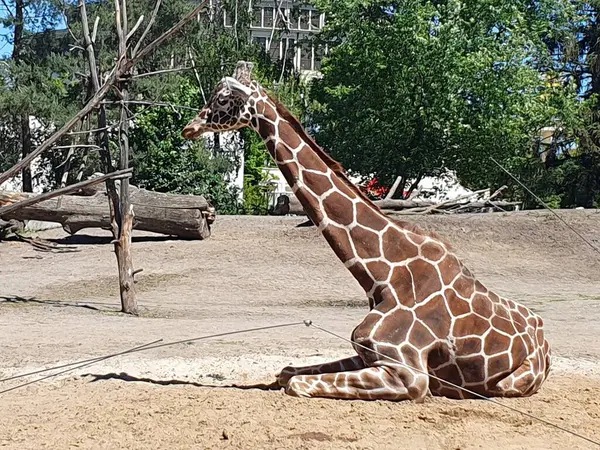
(185, 216)
(125, 219)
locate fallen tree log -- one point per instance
(291, 205)
(185, 216)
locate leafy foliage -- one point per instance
(412, 88)
(166, 162)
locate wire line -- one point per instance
(309, 323)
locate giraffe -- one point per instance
(427, 310)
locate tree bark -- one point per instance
(25, 150)
(291, 205)
(125, 219)
(184, 216)
(25, 133)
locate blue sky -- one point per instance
(5, 46)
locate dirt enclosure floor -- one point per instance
(256, 271)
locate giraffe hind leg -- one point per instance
(527, 378)
(342, 365)
(371, 383)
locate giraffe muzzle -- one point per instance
(194, 129)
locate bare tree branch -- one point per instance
(95, 32)
(394, 187)
(135, 27)
(147, 30)
(63, 191)
(196, 72)
(159, 72)
(167, 34)
(117, 71)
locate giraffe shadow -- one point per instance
(86, 239)
(18, 300)
(132, 379)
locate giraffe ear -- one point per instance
(243, 72)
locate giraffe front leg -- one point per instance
(342, 365)
(371, 383)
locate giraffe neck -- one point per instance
(355, 229)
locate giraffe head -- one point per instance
(228, 108)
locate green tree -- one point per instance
(34, 81)
(166, 162)
(413, 88)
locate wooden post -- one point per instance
(123, 244)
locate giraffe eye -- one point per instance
(221, 101)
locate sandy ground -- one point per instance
(61, 307)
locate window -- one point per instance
(267, 17)
(274, 49)
(315, 20)
(319, 53)
(306, 56)
(228, 18)
(304, 18)
(256, 17)
(288, 50)
(261, 41)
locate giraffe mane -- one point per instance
(337, 168)
(334, 165)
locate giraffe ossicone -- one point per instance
(427, 310)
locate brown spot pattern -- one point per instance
(450, 268)
(283, 153)
(401, 282)
(450, 373)
(502, 324)
(396, 247)
(518, 350)
(425, 277)
(339, 209)
(379, 270)
(468, 346)
(266, 128)
(472, 368)
(496, 343)
(366, 242)
(370, 218)
(319, 184)
(482, 305)
(435, 315)
(397, 327)
(432, 251)
(291, 138)
(338, 239)
(464, 287)
(361, 275)
(470, 325)
(343, 187)
(307, 158)
(457, 305)
(498, 364)
(438, 356)
(420, 336)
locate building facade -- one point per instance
(284, 29)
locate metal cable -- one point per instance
(139, 349)
(309, 323)
(547, 207)
(89, 363)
